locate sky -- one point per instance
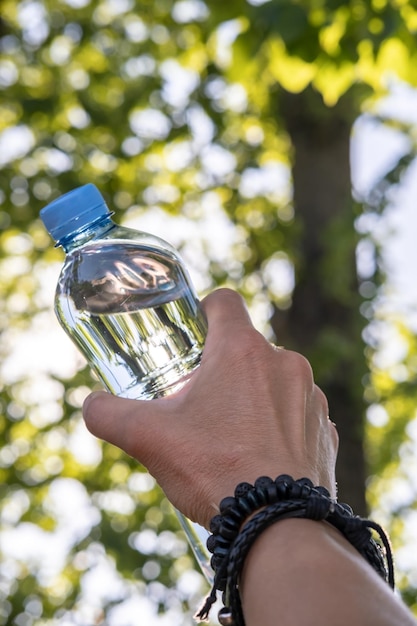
(374, 150)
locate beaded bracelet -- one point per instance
(269, 501)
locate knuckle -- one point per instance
(322, 400)
(222, 296)
(250, 346)
(335, 437)
(225, 292)
(299, 366)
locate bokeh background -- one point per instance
(274, 144)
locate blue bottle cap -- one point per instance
(74, 210)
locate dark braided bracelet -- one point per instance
(279, 499)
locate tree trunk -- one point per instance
(324, 322)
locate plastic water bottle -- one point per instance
(126, 300)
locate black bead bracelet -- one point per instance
(269, 501)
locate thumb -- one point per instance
(131, 425)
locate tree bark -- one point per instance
(324, 322)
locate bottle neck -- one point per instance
(90, 231)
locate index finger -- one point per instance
(226, 311)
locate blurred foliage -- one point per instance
(170, 108)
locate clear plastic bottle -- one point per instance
(126, 300)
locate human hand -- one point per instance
(250, 409)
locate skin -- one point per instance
(252, 409)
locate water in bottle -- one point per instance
(126, 300)
(134, 316)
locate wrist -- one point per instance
(265, 503)
(298, 543)
(227, 487)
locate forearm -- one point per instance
(301, 569)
